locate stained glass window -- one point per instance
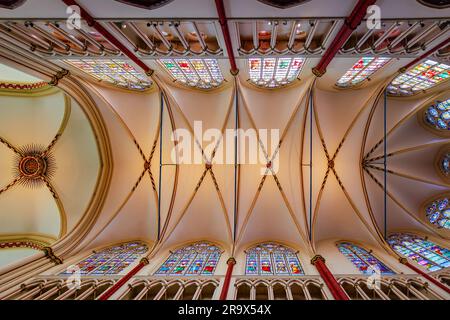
(274, 72)
(361, 70)
(112, 260)
(438, 213)
(438, 115)
(362, 259)
(200, 258)
(199, 73)
(444, 163)
(423, 76)
(272, 259)
(422, 251)
(117, 72)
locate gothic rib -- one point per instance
(333, 170)
(263, 179)
(140, 151)
(237, 168)
(376, 95)
(175, 184)
(410, 149)
(365, 164)
(325, 178)
(62, 126)
(59, 204)
(48, 184)
(410, 177)
(205, 171)
(392, 197)
(402, 120)
(10, 185)
(10, 146)
(385, 245)
(302, 145)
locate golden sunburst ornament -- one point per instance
(34, 165)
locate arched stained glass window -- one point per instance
(272, 259)
(438, 115)
(274, 72)
(362, 259)
(438, 213)
(423, 76)
(112, 260)
(424, 252)
(361, 70)
(200, 258)
(198, 73)
(116, 72)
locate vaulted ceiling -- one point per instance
(329, 182)
(43, 121)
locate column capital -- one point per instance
(51, 255)
(403, 260)
(317, 72)
(234, 72)
(231, 260)
(316, 258)
(144, 261)
(58, 76)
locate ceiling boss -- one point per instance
(34, 165)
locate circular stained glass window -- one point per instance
(438, 115)
(438, 213)
(444, 164)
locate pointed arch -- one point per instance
(199, 258)
(271, 258)
(424, 252)
(363, 259)
(111, 260)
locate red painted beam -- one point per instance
(423, 274)
(226, 35)
(226, 283)
(336, 290)
(108, 293)
(105, 33)
(350, 24)
(424, 55)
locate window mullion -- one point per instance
(360, 71)
(419, 254)
(207, 70)
(261, 70)
(360, 258)
(421, 81)
(289, 69)
(286, 262)
(426, 249)
(128, 72)
(274, 72)
(272, 261)
(100, 265)
(200, 80)
(181, 70)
